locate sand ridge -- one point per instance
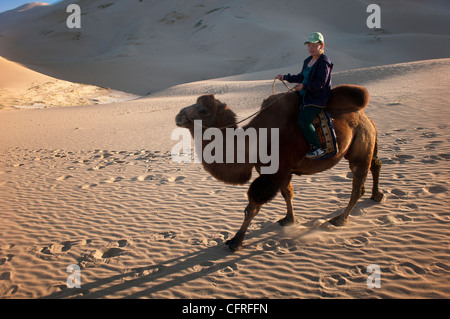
(141, 226)
(21, 87)
(142, 47)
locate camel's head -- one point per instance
(210, 111)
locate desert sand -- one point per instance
(21, 87)
(95, 185)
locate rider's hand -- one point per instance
(279, 77)
(298, 87)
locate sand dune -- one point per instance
(104, 194)
(21, 87)
(95, 186)
(146, 46)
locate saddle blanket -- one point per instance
(327, 135)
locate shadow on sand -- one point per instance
(146, 281)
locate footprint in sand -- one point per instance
(96, 168)
(403, 140)
(395, 219)
(434, 159)
(113, 180)
(433, 145)
(87, 186)
(6, 279)
(444, 156)
(204, 266)
(110, 253)
(172, 179)
(7, 275)
(270, 245)
(407, 269)
(403, 217)
(57, 249)
(143, 178)
(358, 241)
(402, 158)
(438, 189)
(198, 241)
(398, 193)
(63, 178)
(429, 159)
(163, 236)
(409, 207)
(333, 281)
(229, 270)
(429, 135)
(12, 290)
(6, 259)
(112, 250)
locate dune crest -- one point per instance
(21, 87)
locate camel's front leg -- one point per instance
(262, 190)
(359, 177)
(250, 212)
(288, 193)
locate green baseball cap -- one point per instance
(315, 37)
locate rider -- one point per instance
(314, 86)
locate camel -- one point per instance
(356, 137)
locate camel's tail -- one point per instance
(347, 98)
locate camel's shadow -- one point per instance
(150, 280)
(175, 272)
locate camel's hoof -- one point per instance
(338, 221)
(234, 244)
(377, 197)
(286, 222)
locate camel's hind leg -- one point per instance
(375, 168)
(360, 171)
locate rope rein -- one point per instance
(282, 81)
(259, 111)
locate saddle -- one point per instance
(327, 135)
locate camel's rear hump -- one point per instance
(347, 98)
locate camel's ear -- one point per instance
(211, 102)
(207, 100)
(221, 106)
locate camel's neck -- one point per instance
(229, 153)
(222, 154)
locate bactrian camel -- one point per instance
(355, 133)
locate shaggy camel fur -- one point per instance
(356, 138)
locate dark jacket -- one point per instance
(318, 87)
